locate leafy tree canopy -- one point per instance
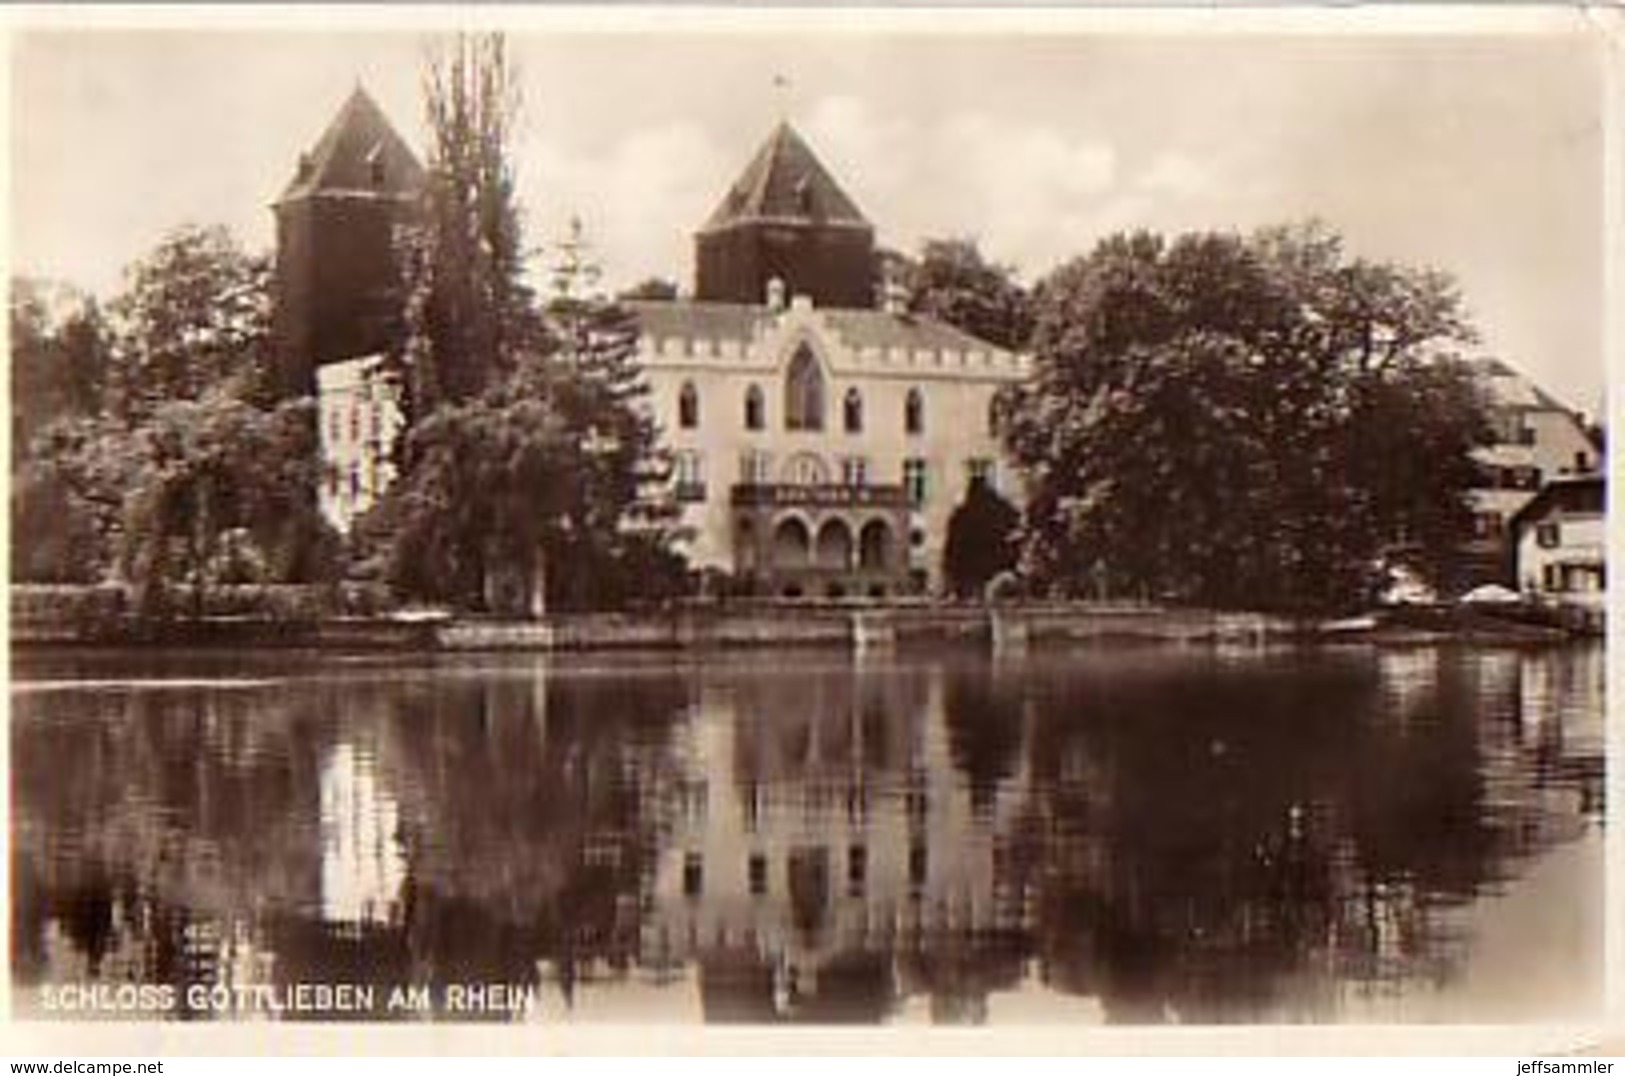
(1250, 421)
(981, 539)
(952, 282)
(195, 313)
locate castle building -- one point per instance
(821, 434)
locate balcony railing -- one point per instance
(826, 495)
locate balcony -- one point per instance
(827, 495)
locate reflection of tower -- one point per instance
(363, 867)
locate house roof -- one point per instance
(359, 153)
(858, 329)
(1571, 494)
(785, 182)
(1509, 388)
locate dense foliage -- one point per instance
(952, 282)
(148, 448)
(526, 445)
(981, 539)
(1245, 421)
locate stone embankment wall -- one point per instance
(67, 616)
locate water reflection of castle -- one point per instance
(820, 828)
(1168, 838)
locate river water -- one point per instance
(1134, 835)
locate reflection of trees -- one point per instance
(1184, 837)
(524, 821)
(139, 808)
(160, 824)
(1215, 844)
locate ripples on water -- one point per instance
(1132, 836)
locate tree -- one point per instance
(1243, 421)
(67, 498)
(59, 356)
(952, 282)
(981, 539)
(469, 316)
(525, 442)
(220, 492)
(195, 313)
(616, 527)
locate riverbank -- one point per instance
(1003, 629)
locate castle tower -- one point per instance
(786, 218)
(337, 289)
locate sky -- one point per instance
(1478, 154)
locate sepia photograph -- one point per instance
(825, 518)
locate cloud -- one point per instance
(639, 200)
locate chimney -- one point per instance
(775, 294)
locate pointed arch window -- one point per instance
(852, 411)
(914, 412)
(755, 409)
(804, 392)
(688, 406)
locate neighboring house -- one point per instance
(1537, 439)
(1561, 540)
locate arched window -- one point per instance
(852, 411)
(755, 409)
(688, 406)
(804, 392)
(914, 412)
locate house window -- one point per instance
(693, 874)
(914, 413)
(1526, 435)
(758, 874)
(1487, 524)
(1548, 535)
(689, 470)
(804, 392)
(355, 482)
(355, 423)
(1551, 578)
(852, 411)
(918, 866)
(335, 426)
(755, 468)
(914, 480)
(755, 409)
(1582, 462)
(688, 406)
(854, 471)
(857, 869)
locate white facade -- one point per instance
(1562, 545)
(360, 415)
(1537, 439)
(906, 410)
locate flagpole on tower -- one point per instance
(781, 87)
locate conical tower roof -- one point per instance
(360, 152)
(785, 181)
